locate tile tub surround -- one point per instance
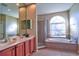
(61, 40)
(13, 43)
(61, 44)
(50, 52)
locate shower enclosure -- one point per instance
(41, 33)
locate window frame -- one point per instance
(64, 36)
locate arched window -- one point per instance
(57, 27)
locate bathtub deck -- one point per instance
(62, 46)
(61, 40)
(50, 52)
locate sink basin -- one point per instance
(3, 40)
(4, 44)
(12, 40)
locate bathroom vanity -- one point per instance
(21, 46)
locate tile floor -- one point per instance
(49, 52)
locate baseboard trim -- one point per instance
(40, 47)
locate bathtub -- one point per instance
(61, 44)
(61, 40)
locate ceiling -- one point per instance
(45, 8)
(12, 9)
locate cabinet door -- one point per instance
(33, 44)
(20, 49)
(8, 52)
(27, 48)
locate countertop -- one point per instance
(14, 42)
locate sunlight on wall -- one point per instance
(12, 29)
(73, 24)
(73, 28)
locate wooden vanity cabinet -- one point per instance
(27, 48)
(32, 45)
(19, 49)
(8, 52)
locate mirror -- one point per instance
(9, 24)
